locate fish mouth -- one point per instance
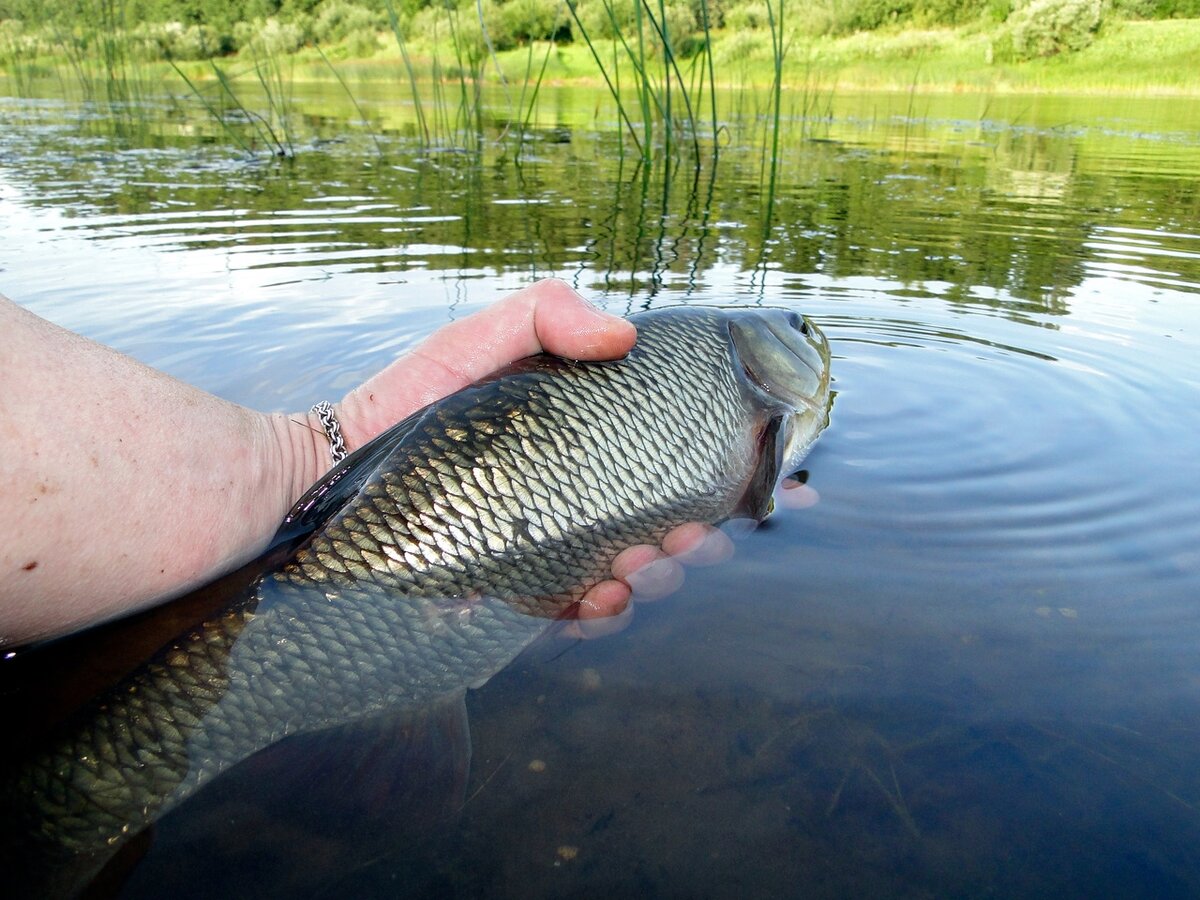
(784, 355)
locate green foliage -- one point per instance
(335, 21)
(174, 40)
(1047, 27)
(610, 19)
(867, 15)
(750, 16)
(271, 37)
(739, 46)
(534, 20)
(1177, 9)
(603, 20)
(952, 12)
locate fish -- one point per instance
(428, 559)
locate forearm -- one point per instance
(123, 485)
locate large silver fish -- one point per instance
(428, 559)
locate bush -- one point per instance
(1046, 27)
(336, 21)
(14, 41)
(533, 20)
(748, 16)
(949, 12)
(867, 15)
(174, 40)
(450, 26)
(740, 45)
(281, 37)
(682, 20)
(1176, 9)
(597, 21)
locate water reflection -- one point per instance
(970, 668)
(1011, 210)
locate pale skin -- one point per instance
(123, 487)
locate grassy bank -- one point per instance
(665, 84)
(1127, 56)
(1133, 57)
(1122, 55)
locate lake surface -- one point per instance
(972, 668)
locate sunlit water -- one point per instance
(973, 667)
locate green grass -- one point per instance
(1127, 57)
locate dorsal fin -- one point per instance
(340, 484)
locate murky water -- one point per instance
(973, 667)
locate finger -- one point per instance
(697, 544)
(589, 629)
(795, 495)
(649, 572)
(608, 598)
(547, 315)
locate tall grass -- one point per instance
(451, 114)
(105, 67)
(236, 113)
(667, 104)
(18, 55)
(663, 83)
(397, 32)
(354, 100)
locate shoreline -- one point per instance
(1128, 58)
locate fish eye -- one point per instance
(803, 326)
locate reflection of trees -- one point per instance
(1011, 212)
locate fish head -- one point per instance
(784, 361)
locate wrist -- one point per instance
(300, 457)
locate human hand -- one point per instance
(546, 316)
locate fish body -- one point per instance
(431, 557)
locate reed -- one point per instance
(277, 90)
(415, 93)
(273, 129)
(524, 110)
(215, 113)
(667, 104)
(106, 66)
(354, 100)
(613, 88)
(18, 54)
(468, 70)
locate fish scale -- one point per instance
(466, 529)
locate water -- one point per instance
(971, 668)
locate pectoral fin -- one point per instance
(757, 500)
